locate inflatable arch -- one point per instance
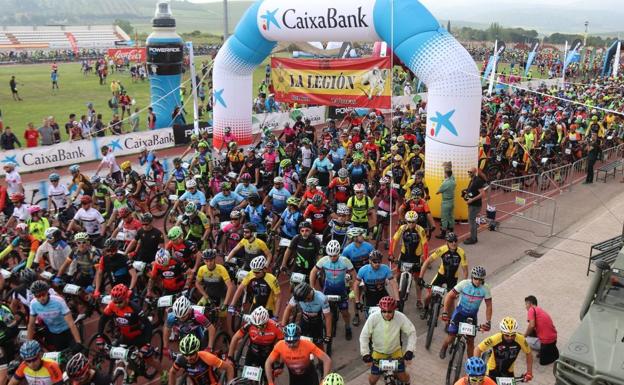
(451, 76)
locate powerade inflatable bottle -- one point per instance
(165, 55)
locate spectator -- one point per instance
(113, 104)
(98, 127)
(447, 189)
(54, 79)
(177, 117)
(6, 206)
(91, 114)
(70, 123)
(541, 334)
(31, 135)
(85, 127)
(56, 130)
(13, 85)
(270, 105)
(472, 195)
(46, 133)
(125, 101)
(8, 140)
(151, 118)
(593, 151)
(135, 120)
(115, 125)
(75, 132)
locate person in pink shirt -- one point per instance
(541, 334)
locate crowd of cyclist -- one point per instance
(311, 206)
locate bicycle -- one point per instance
(333, 308)
(458, 346)
(432, 312)
(405, 283)
(389, 368)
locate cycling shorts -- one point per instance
(440, 280)
(457, 317)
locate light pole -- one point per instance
(585, 37)
(225, 20)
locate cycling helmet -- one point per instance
(110, 244)
(359, 187)
(292, 332)
(293, 201)
(34, 209)
(162, 257)
(74, 168)
(343, 173)
(259, 316)
(384, 180)
(54, 177)
(375, 255)
(475, 367)
(258, 263)
(120, 191)
(96, 179)
(225, 186)
(354, 232)
(126, 165)
(120, 291)
(21, 228)
(189, 344)
(27, 276)
(358, 156)
(387, 303)
(278, 179)
(10, 164)
(86, 199)
(203, 144)
(398, 157)
(451, 237)
(359, 146)
(411, 216)
(52, 233)
(123, 212)
(302, 291)
(394, 147)
(333, 379)
(416, 192)
(147, 218)
(332, 248)
(235, 214)
(508, 325)
(175, 232)
(209, 254)
(190, 208)
(250, 226)
(30, 349)
(317, 199)
(285, 163)
(246, 177)
(39, 287)
(400, 139)
(177, 161)
(17, 197)
(77, 366)
(343, 210)
(81, 236)
(181, 306)
(478, 272)
(190, 183)
(305, 225)
(312, 182)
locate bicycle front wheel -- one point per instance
(156, 343)
(455, 364)
(158, 205)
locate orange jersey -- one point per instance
(298, 359)
(48, 374)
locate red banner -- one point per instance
(333, 82)
(133, 54)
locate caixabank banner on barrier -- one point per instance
(335, 82)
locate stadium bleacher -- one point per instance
(55, 37)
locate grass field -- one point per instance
(75, 92)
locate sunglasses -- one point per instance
(476, 380)
(41, 295)
(306, 230)
(257, 271)
(376, 261)
(387, 311)
(31, 360)
(82, 242)
(246, 232)
(509, 334)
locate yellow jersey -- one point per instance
(504, 354)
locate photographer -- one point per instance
(593, 152)
(472, 195)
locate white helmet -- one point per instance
(259, 316)
(332, 248)
(258, 263)
(181, 306)
(162, 257)
(359, 146)
(312, 182)
(359, 187)
(191, 183)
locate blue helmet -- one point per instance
(30, 349)
(74, 168)
(475, 367)
(54, 177)
(292, 332)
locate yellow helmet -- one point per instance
(126, 165)
(508, 325)
(411, 216)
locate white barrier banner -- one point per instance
(133, 142)
(405, 100)
(276, 120)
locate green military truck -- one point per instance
(595, 352)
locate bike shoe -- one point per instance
(356, 320)
(442, 354)
(424, 312)
(348, 334)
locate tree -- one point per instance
(125, 25)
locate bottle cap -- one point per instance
(162, 16)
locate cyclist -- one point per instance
(202, 160)
(252, 246)
(288, 222)
(80, 372)
(318, 213)
(231, 233)
(8, 331)
(263, 335)
(290, 177)
(335, 269)
(191, 195)
(178, 177)
(471, 293)
(475, 373)
(198, 365)
(382, 331)
(245, 187)
(315, 308)
(168, 272)
(234, 159)
(311, 191)
(91, 220)
(224, 202)
(213, 282)
(20, 209)
(256, 213)
(304, 248)
(416, 203)
(295, 354)
(414, 248)
(506, 346)
(182, 249)
(362, 208)
(452, 258)
(80, 183)
(55, 249)
(263, 287)
(133, 181)
(127, 228)
(197, 223)
(35, 369)
(101, 195)
(147, 241)
(186, 320)
(277, 196)
(81, 262)
(338, 227)
(358, 250)
(376, 277)
(60, 331)
(25, 243)
(59, 194)
(339, 187)
(116, 266)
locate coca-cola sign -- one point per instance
(133, 54)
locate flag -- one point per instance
(532, 54)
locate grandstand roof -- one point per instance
(60, 37)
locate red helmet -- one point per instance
(387, 303)
(85, 199)
(120, 291)
(123, 212)
(17, 197)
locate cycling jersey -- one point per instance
(133, 179)
(196, 324)
(262, 340)
(358, 254)
(504, 353)
(319, 216)
(225, 203)
(359, 208)
(127, 319)
(470, 296)
(101, 193)
(309, 194)
(264, 289)
(91, 219)
(336, 230)
(304, 251)
(291, 178)
(87, 187)
(386, 335)
(56, 254)
(245, 191)
(257, 216)
(270, 158)
(233, 233)
(254, 248)
(26, 244)
(451, 260)
(387, 196)
(197, 225)
(202, 371)
(278, 199)
(83, 264)
(297, 359)
(52, 313)
(290, 220)
(117, 266)
(183, 251)
(235, 159)
(48, 374)
(374, 282)
(214, 281)
(197, 197)
(464, 381)
(313, 308)
(58, 194)
(335, 273)
(357, 173)
(342, 188)
(171, 276)
(414, 243)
